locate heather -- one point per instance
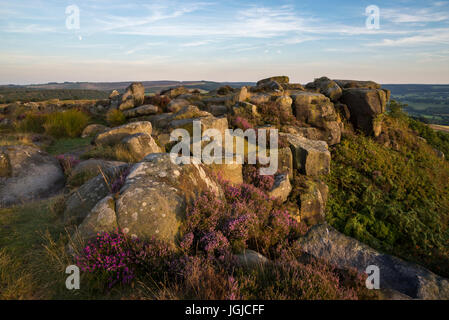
(204, 265)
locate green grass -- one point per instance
(33, 255)
(68, 144)
(395, 201)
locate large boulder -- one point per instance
(89, 169)
(140, 145)
(27, 173)
(278, 79)
(82, 200)
(115, 135)
(315, 109)
(174, 92)
(134, 96)
(310, 157)
(144, 110)
(153, 200)
(313, 198)
(101, 218)
(326, 243)
(177, 104)
(327, 87)
(231, 172)
(364, 105)
(93, 130)
(347, 84)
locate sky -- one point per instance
(223, 40)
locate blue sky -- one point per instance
(223, 41)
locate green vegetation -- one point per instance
(396, 201)
(67, 145)
(12, 94)
(61, 124)
(115, 117)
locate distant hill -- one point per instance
(428, 102)
(96, 90)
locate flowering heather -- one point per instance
(246, 219)
(252, 176)
(68, 162)
(116, 258)
(242, 123)
(118, 183)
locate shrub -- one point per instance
(115, 117)
(32, 122)
(67, 162)
(246, 219)
(395, 201)
(115, 258)
(68, 123)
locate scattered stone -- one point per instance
(177, 104)
(144, 110)
(327, 87)
(27, 174)
(115, 135)
(281, 188)
(347, 84)
(140, 145)
(326, 243)
(82, 200)
(310, 157)
(101, 218)
(93, 129)
(251, 259)
(134, 96)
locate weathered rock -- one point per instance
(285, 161)
(327, 87)
(225, 90)
(153, 200)
(115, 135)
(251, 259)
(174, 92)
(271, 86)
(310, 157)
(364, 105)
(134, 96)
(27, 173)
(316, 110)
(89, 169)
(313, 198)
(260, 98)
(281, 188)
(82, 200)
(228, 172)
(140, 145)
(93, 129)
(245, 108)
(324, 242)
(101, 218)
(189, 112)
(177, 104)
(278, 79)
(242, 94)
(144, 110)
(114, 94)
(218, 110)
(347, 84)
(285, 104)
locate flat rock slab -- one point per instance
(324, 242)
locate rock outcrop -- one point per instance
(134, 96)
(26, 174)
(325, 243)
